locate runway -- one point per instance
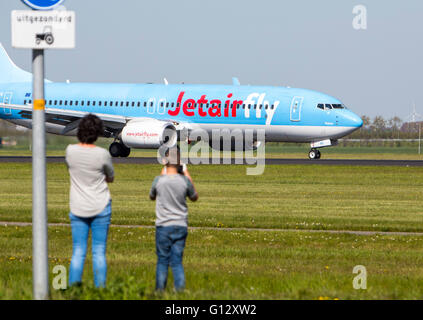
(330, 162)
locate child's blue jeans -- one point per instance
(170, 244)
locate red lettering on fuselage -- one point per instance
(201, 102)
(188, 106)
(214, 111)
(214, 106)
(178, 105)
(235, 105)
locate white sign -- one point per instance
(43, 29)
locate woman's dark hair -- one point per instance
(89, 129)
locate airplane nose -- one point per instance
(353, 120)
(358, 121)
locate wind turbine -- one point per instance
(414, 117)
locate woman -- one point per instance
(90, 168)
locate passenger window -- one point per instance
(76, 102)
(88, 103)
(66, 102)
(55, 102)
(127, 103)
(133, 104)
(82, 103)
(93, 103)
(24, 101)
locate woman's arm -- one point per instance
(110, 180)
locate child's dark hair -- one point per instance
(173, 156)
(89, 129)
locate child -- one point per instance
(170, 191)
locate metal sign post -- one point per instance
(39, 30)
(39, 182)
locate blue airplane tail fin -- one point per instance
(9, 72)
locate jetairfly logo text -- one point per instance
(254, 104)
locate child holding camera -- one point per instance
(170, 190)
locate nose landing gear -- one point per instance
(314, 154)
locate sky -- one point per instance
(302, 43)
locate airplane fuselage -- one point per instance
(286, 114)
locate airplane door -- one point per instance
(295, 113)
(7, 99)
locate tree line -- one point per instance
(381, 128)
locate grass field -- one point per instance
(230, 263)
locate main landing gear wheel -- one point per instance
(314, 154)
(117, 149)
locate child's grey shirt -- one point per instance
(170, 192)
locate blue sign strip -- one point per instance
(42, 4)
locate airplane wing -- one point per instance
(70, 118)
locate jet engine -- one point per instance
(149, 134)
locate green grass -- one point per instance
(230, 265)
(296, 197)
(238, 264)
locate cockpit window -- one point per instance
(338, 106)
(328, 106)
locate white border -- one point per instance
(28, 3)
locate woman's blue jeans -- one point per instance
(170, 244)
(99, 226)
